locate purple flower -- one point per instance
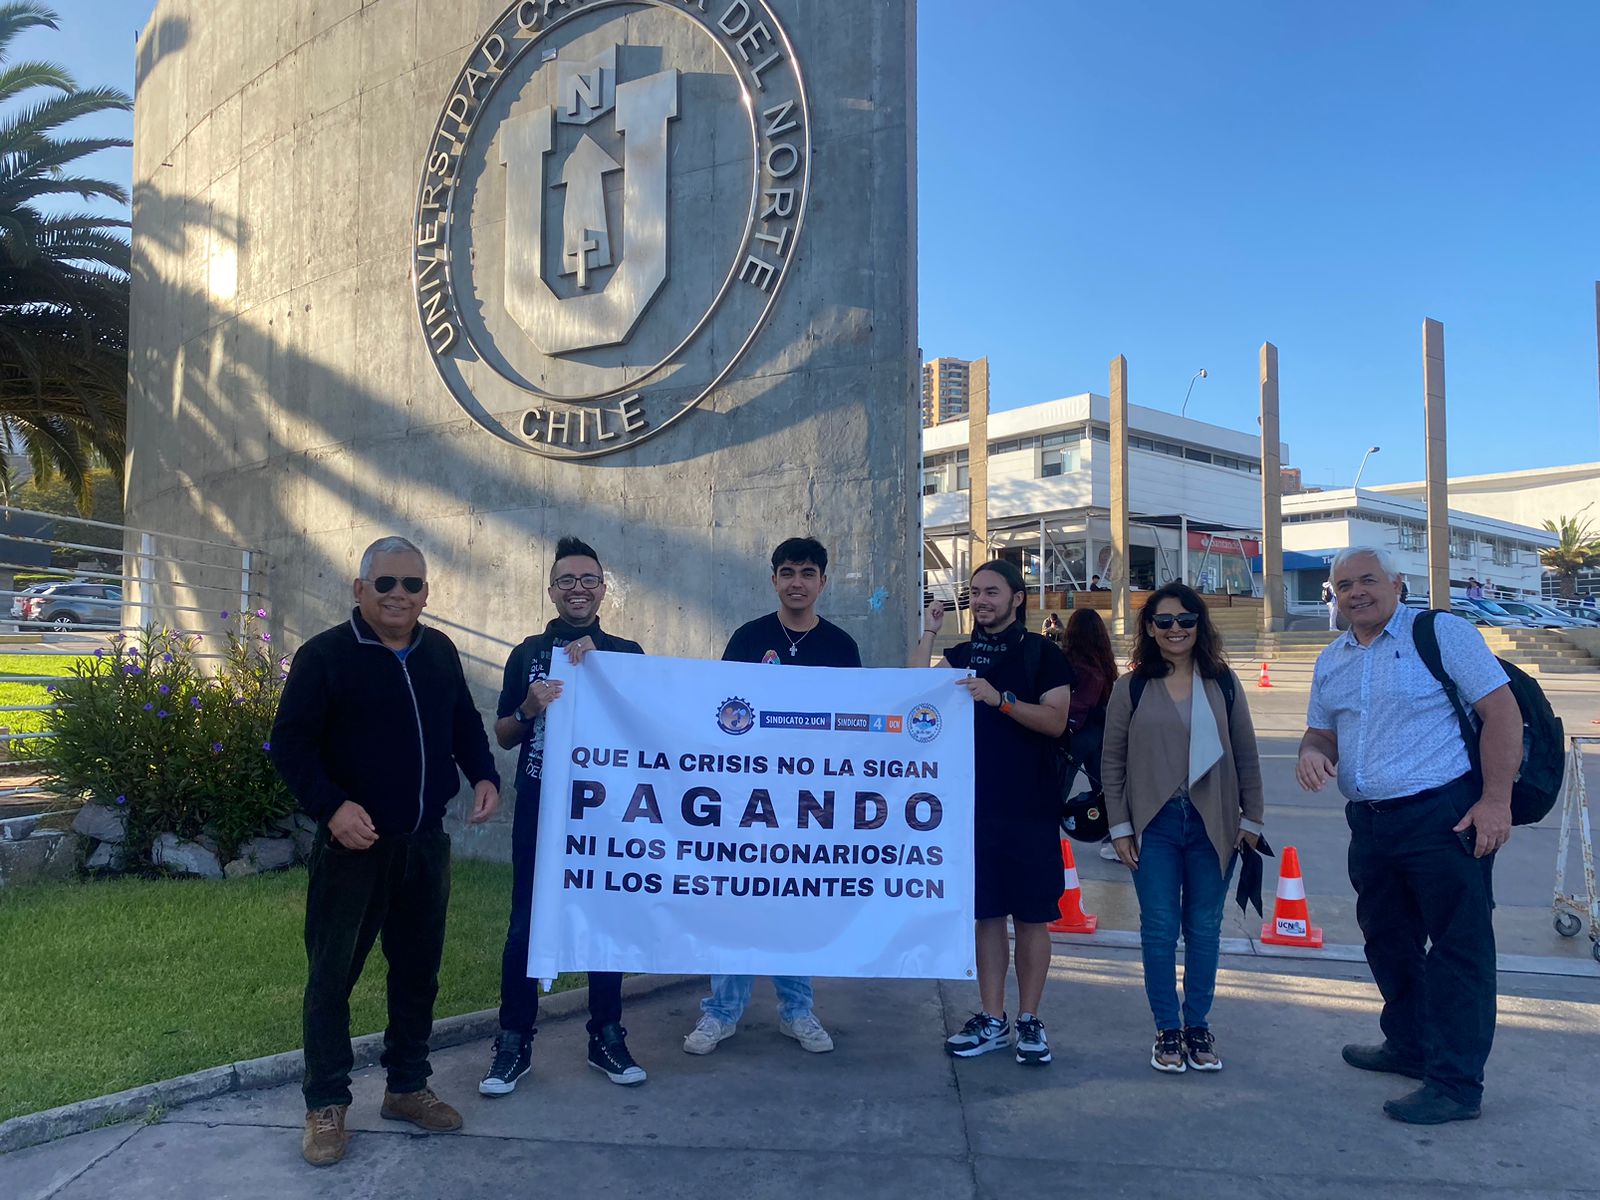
(194, 701)
(262, 613)
(166, 657)
(216, 747)
(163, 714)
(49, 687)
(164, 689)
(100, 653)
(148, 707)
(266, 745)
(266, 637)
(283, 663)
(224, 614)
(122, 799)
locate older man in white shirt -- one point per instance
(1425, 821)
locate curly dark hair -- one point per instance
(1209, 659)
(1088, 645)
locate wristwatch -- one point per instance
(1007, 700)
(517, 713)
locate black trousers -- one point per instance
(519, 995)
(1424, 904)
(398, 889)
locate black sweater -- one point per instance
(356, 722)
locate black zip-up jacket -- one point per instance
(356, 722)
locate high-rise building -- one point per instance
(944, 390)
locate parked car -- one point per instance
(37, 589)
(1538, 615)
(1491, 610)
(1469, 611)
(69, 604)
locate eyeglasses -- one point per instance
(385, 583)
(1181, 620)
(567, 583)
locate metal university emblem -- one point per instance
(609, 204)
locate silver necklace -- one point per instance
(794, 643)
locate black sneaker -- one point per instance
(513, 1054)
(1032, 1048)
(608, 1053)
(1167, 1054)
(1200, 1049)
(979, 1036)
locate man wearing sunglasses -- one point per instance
(374, 729)
(577, 586)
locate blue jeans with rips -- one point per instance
(1181, 887)
(730, 996)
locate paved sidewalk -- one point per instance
(889, 1115)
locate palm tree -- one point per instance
(1578, 549)
(63, 275)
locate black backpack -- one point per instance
(1538, 782)
(1072, 752)
(1227, 681)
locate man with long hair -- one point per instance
(1021, 689)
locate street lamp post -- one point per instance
(1371, 450)
(1200, 374)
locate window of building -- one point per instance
(1505, 554)
(1460, 544)
(1197, 455)
(1058, 462)
(963, 478)
(1412, 536)
(933, 482)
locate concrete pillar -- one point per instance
(978, 459)
(1272, 601)
(1438, 467)
(1120, 600)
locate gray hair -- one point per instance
(1386, 560)
(389, 545)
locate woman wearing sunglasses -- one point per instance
(1182, 781)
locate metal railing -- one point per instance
(165, 578)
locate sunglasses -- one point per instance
(385, 583)
(1181, 620)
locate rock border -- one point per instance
(274, 1070)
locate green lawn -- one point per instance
(28, 693)
(112, 984)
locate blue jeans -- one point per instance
(1180, 885)
(730, 996)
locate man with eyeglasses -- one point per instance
(374, 729)
(577, 587)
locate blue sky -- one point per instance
(1178, 182)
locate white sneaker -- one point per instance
(808, 1031)
(703, 1038)
(1108, 852)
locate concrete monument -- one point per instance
(482, 274)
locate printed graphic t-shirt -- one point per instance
(765, 640)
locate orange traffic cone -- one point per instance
(1291, 920)
(1265, 680)
(1073, 918)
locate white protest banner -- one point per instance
(738, 818)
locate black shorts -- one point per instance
(1018, 870)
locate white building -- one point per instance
(1194, 492)
(1318, 524)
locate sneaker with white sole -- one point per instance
(980, 1035)
(808, 1031)
(1167, 1054)
(608, 1054)
(1108, 851)
(513, 1054)
(1033, 1049)
(1200, 1049)
(703, 1038)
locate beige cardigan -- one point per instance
(1144, 762)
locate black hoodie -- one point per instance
(358, 722)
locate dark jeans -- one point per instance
(519, 995)
(399, 888)
(1181, 887)
(1424, 904)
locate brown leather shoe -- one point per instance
(423, 1109)
(325, 1141)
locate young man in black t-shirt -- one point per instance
(1021, 687)
(577, 586)
(794, 636)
